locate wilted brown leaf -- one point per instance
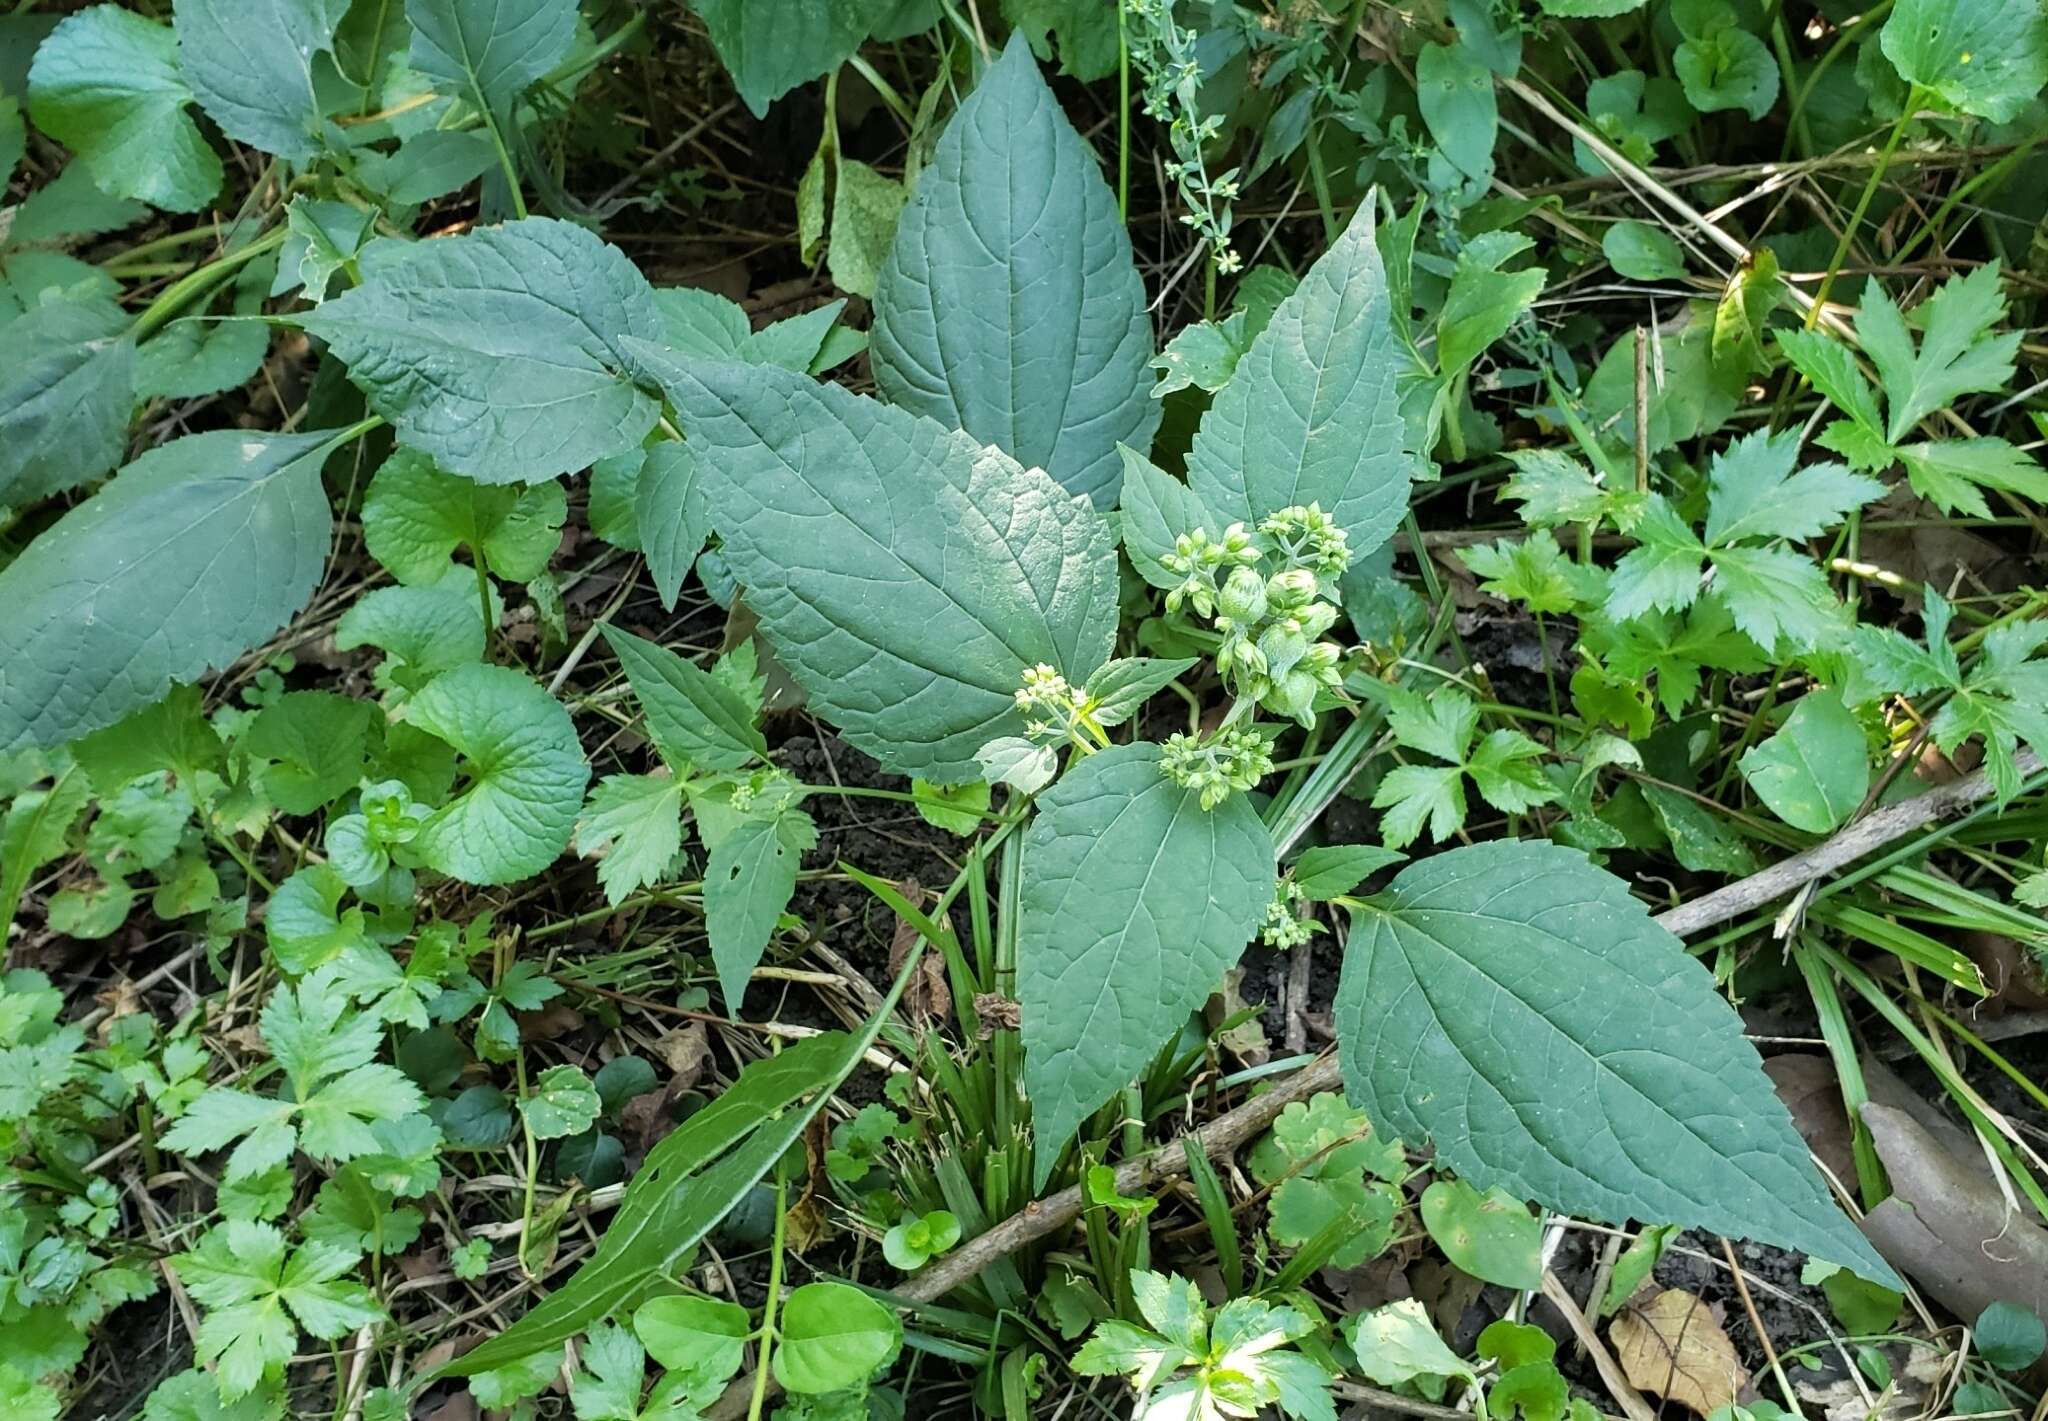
(1673, 1347)
(684, 1051)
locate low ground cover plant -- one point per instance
(459, 676)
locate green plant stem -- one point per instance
(141, 251)
(532, 1163)
(884, 90)
(483, 593)
(175, 297)
(1848, 35)
(1123, 114)
(761, 1362)
(1849, 228)
(505, 163)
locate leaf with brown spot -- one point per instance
(1673, 1346)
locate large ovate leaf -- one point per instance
(488, 51)
(498, 352)
(905, 575)
(250, 64)
(1512, 1003)
(525, 772)
(1010, 305)
(771, 46)
(690, 1181)
(1312, 414)
(65, 395)
(106, 84)
(186, 559)
(1986, 57)
(1136, 901)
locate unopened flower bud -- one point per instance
(1282, 647)
(1244, 596)
(1291, 590)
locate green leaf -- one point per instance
(1506, 770)
(1484, 301)
(904, 575)
(747, 883)
(184, 560)
(957, 809)
(1454, 90)
(1643, 252)
(489, 51)
(1555, 488)
(1535, 571)
(1831, 368)
(564, 1102)
(1085, 34)
(1815, 770)
(428, 165)
(691, 1179)
(525, 769)
(1023, 323)
(865, 205)
(1700, 839)
(771, 46)
(1957, 354)
(1984, 57)
(1155, 508)
(1463, 1017)
(204, 354)
(317, 744)
(32, 833)
(693, 717)
(633, 825)
(614, 1369)
(1313, 412)
(65, 398)
(833, 1337)
(172, 734)
(1441, 724)
(499, 353)
(327, 236)
(504, 1387)
(2009, 1337)
(1415, 795)
(106, 84)
(416, 515)
(258, 1298)
(700, 1335)
(1120, 688)
(673, 515)
(1325, 873)
(1727, 69)
(1113, 952)
(1396, 1344)
(251, 67)
(1950, 473)
(1492, 1236)
(423, 631)
(1775, 593)
(1754, 493)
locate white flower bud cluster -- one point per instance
(1227, 763)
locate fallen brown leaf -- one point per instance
(684, 1051)
(1673, 1347)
